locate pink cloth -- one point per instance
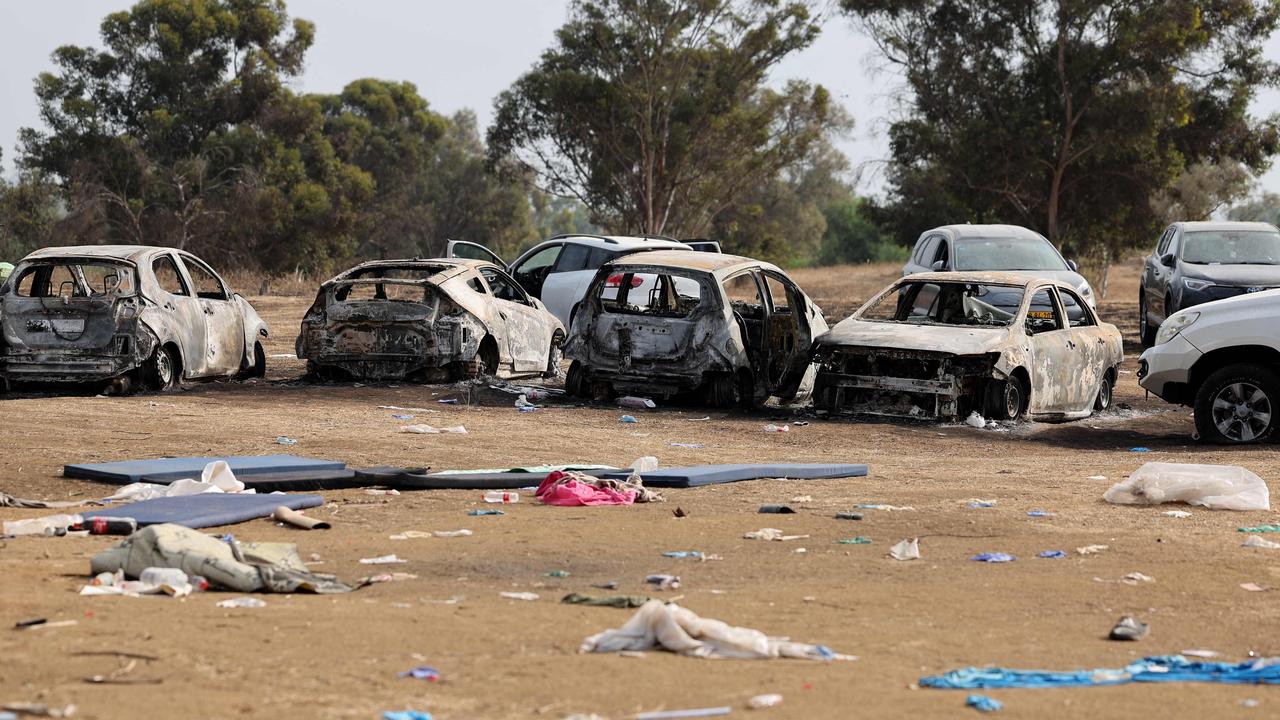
(561, 488)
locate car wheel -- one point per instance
(1006, 399)
(1146, 333)
(721, 391)
(1237, 404)
(554, 355)
(163, 369)
(1105, 391)
(575, 381)
(259, 367)
(488, 358)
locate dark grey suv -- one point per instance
(1198, 262)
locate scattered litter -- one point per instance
(618, 601)
(636, 403)
(687, 446)
(1140, 449)
(1040, 513)
(1200, 653)
(1160, 669)
(1096, 477)
(406, 409)
(1260, 529)
(429, 430)
(523, 405)
(759, 702)
(801, 423)
(1134, 578)
(1258, 542)
(1253, 587)
(241, 602)
(982, 703)
(297, 519)
(978, 504)
(402, 417)
(501, 496)
(771, 534)
(570, 488)
(451, 401)
(679, 512)
(1092, 549)
(1129, 629)
(1177, 513)
(658, 626)
(283, 440)
(800, 551)
(975, 420)
(420, 534)
(802, 499)
(683, 554)
(628, 419)
(382, 560)
(1054, 554)
(855, 541)
(887, 508)
(701, 419)
(993, 557)
(848, 516)
(776, 509)
(406, 715)
(771, 428)
(664, 582)
(677, 714)
(1217, 487)
(37, 709)
(558, 574)
(611, 585)
(422, 672)
(519, 595)
(381, 491)
(906, 550)
(485, 511)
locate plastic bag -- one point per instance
(1217, 487)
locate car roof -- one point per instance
(453, 266)
(716, 263)
(987, 277)
(1227, 225)
(623, 242)
(988, 231)
(114, 252)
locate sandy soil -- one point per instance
(337, 656)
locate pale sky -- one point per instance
(460, 55)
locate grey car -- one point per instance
(1199, 262)
(995, 248)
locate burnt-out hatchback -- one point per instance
(727, 330)
(125, 314)
(428, 321)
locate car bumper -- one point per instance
(1191, 298)
(58, 367)
(1166, 369)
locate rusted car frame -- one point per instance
(686, 335)
(125, 314)
(944, 345)
(427, 321)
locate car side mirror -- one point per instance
(939, 265)
(1073, 265)
(1167, 260)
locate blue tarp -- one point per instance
(1162, 668)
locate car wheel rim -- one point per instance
(1241, 411)
(1104, 395)
(164, 368)
(1012, 400)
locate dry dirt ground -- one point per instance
(307, 656)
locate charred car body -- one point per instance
(942, 345)
(428, 320)
(124, 313)
(673, 322)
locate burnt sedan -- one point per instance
(428, 321)
(125, 314)
(729, 330)
(944, 345)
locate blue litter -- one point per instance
(448, 401)
(402, 417)
(1140, 449)
(682, 554)
(982, 703)
(406, 715)
(422, 672)
(1157, 669)
(628, 419)
(1039, 513)
(1052, 554)
(976, 504)
(993, 557)
(528, 408)
(485, 511)
(284, 440)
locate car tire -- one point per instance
(259, 367)
(575, 381)
(1146, 333)
(1237, 404)
(721, 391)
(554, 355)
(1105, 394)
(1006, 399)
(164, 370)
(487, 358)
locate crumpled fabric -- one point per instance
(7, 500)
(1161, 668)
(618, 601)
(569, 488)
(656, 626)
(214, 478)
(261, 567)
(1217, 487)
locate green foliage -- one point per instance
(1264, 208)
(655, 113)
(1067, 116)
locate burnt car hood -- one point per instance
(954, 339)
(1234, 275)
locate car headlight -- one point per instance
(1175, 325)
(1190, 284)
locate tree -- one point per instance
(1201, 190)
(29, 210)
(655, 113)
(1067, 115)
(1264, 208)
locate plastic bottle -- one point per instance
(501, 496)
(173, 577)
(108, 526)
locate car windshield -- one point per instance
(947, 303)
(1232, 247)
(1007, 254)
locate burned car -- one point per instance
(729, 330)
(944, 345)
(430, 321)
(126, 314)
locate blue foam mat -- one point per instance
(164, 470)
(206, 509)
(716, 474)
